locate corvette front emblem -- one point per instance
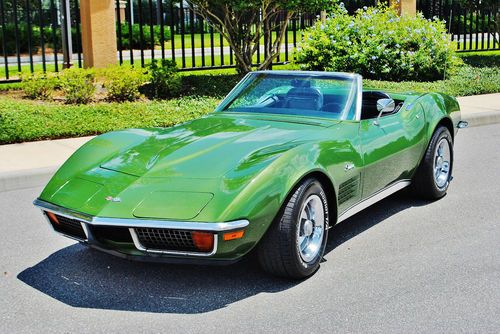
(113, 199)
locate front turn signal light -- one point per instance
(204, 241)
(52, 217)
(234, 235)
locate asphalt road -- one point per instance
(401, 266)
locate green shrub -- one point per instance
(57, 37)
(212, 84)
(146, 33)
(165, 80)
(77, 85)
(378, 44)
(23, 40)
(36, 32)
(123, 82)
(481, 59)
(38, 85)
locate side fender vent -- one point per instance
(348, 189)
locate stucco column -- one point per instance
(323, 15)
(98, 32)
(121, 8)
(405, 7)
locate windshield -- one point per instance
(295, 93)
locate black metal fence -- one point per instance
(157, 29)
(473, 24)
(33, 36)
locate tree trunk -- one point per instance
(236, 29)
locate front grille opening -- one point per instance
(67, 226)
(166, 239)
(111, 233)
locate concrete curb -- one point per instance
(482, 118)
(26, 178)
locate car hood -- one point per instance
(209, 147)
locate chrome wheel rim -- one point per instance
(442, 163)
(311, 228)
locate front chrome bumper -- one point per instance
(132, 223)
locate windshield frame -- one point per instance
(354, 99)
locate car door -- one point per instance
(391, 147)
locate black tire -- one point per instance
(278, 252)
(424, 183)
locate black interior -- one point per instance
(305, 97)
(309, 98)
(369, 104)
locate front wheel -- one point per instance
(433, 176)
(294, 245)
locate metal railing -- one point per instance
(473, 24)
(33, 36)
(154, 29)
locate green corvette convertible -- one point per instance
(285, 156)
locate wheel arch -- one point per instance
(277, 250)
(440, 110)
(447, 123)
(327, 184)
(329, 188)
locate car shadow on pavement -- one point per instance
(81, 277)
(371, 216)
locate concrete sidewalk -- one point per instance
(480, 109)
(32, 164)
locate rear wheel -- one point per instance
(294, 245)
(433, 176)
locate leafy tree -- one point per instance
(244, 22)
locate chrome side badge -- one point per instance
(348, 167)
(113, 199)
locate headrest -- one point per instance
(304, 98)
(301, 83)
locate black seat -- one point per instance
(309, 98)
(369, 103)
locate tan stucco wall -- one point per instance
(405, 7)
(98, 32)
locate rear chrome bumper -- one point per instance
(85, 220)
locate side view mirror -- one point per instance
(384, 106)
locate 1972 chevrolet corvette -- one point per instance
(285, 156)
